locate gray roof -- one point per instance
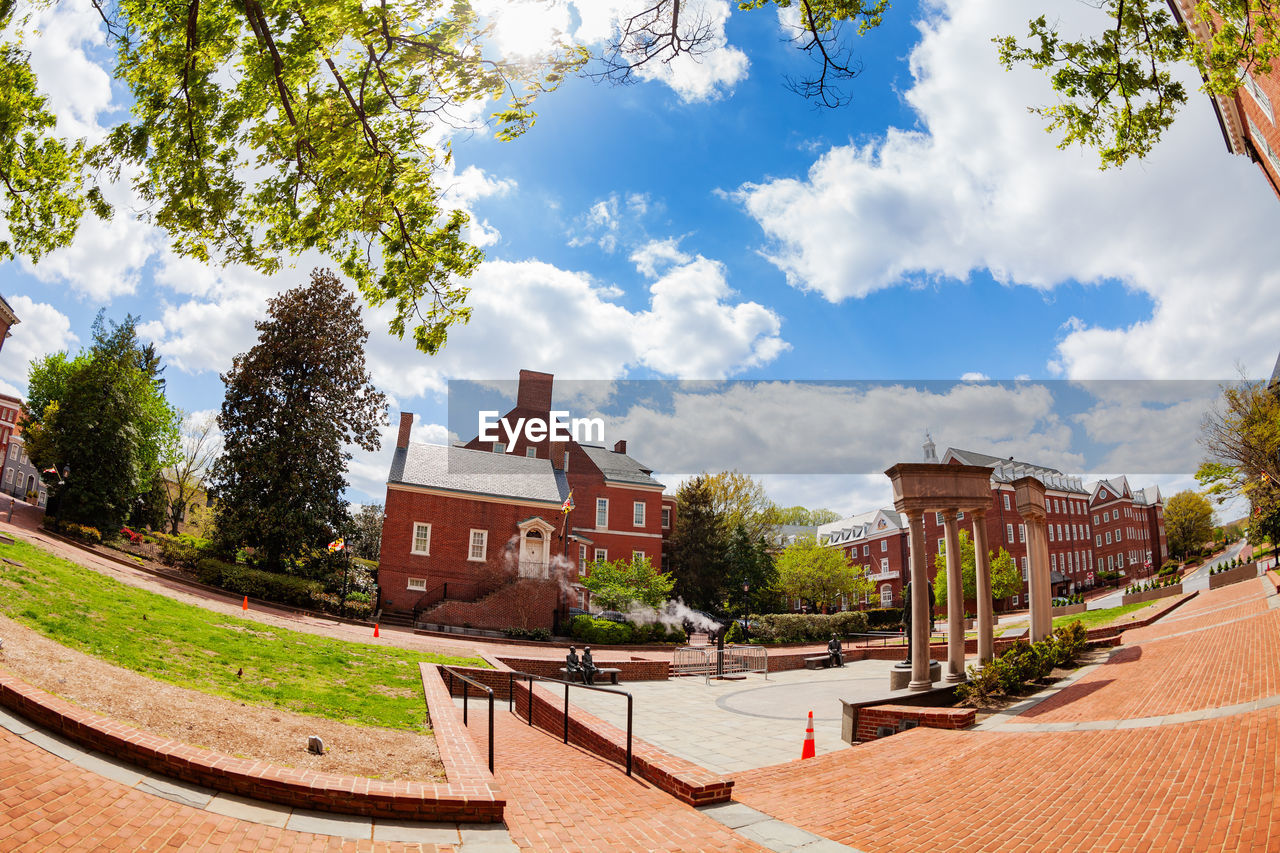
(619, 467)
(1008, 469)
(457, 469)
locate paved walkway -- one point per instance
(1199, 776)
(730, 726)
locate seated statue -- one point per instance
(834, 652)
(589, 668)
(572, 664)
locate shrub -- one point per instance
(527, 633)
(257, 583)
(735, 632)
(807, 627)
(84, 533)
(591, 630)
(1023, 663)
(884, 617)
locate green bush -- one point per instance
(807, 627)
(883, 618)
(269, 586)
(1023, 663)
(84, 533)
(527, 633)
(735, 632)
(600, 631)
(183, 550)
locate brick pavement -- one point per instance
(47, 803)
(561, 798)
(1168, 786)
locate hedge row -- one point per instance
(604, 632)
(1021, 664)
(806, 627)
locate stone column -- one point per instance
(982, 568)
(919, 605)
(955, 599)
(1038, 574)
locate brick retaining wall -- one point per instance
(1248, 571)
(872, 718)
(468, 799)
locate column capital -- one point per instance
(951, 514)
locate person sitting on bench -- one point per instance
(572, 664)
(834, 652)
(589, 668)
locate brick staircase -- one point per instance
(523, 603)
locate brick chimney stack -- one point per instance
(534, 393)
(406, 425)
(620, 446)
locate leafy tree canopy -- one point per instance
(103, 416)
(293, 404)
(819, 574)
(698, 546)
(619, 584)
(1118, 86)
(364, 531)
(1188, 521)
(263, 128)
(1006, 580)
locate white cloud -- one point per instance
(980, 185)
(658, 253)
(973, 376)
(42, 330)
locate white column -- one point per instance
(919, 605)
(982, 567)
(955, 599)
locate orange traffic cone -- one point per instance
(375, 629)
(245, 606)
(809, 750)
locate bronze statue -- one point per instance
(589, 668)
(572, 664)
(835, 654)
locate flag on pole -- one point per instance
(50, 471)
(568, 503)
(337, 545)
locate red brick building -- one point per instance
(1128, 528)
(476, 534)
(10, 409)
(878, 542)
(1248, 119)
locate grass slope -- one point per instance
(202, 650)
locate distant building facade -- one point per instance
(21, 479)
(1128, 528)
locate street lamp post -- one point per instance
(746, 613)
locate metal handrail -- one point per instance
(530, 677)
(467, 680)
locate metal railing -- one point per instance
(745, 659)
(530, 678)
(692, 660)
(467, 681)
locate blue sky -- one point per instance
(711, 224)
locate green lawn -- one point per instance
(1090, 618)
(202, 650)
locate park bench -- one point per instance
(605, 671)
(817, 662)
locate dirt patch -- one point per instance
(211, 722)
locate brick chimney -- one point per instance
(406, 425)
(620, 446)
(534, 393)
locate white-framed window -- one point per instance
(866, 550)
(1006, 501)
(601, 555)
(637, 513)
(884, 545)
(1059, 532)
(1025, 570)
(1022, 533)
(959, 516)
(499, 447)
(884, 564)
(8, 475)
(582, 557)
(417, 584)
(938, 517)
(421, 538)
(1119, 534)
(1015, 601)
(1053, 562)
(1106, 516)
(1050, 527)
(1095, 518)
(1097, 540)
(602, 512)
(1008, 532)
(886, 595)
(942, 546)
(531, 452)
(13, 451)
(479, 543)
(666, 517)
(637, 556)
(1107, 536)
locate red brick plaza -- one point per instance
(1171, 744)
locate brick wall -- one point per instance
(870, 720)
(526, 603)
(465, 798)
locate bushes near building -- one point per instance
(806, 627)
